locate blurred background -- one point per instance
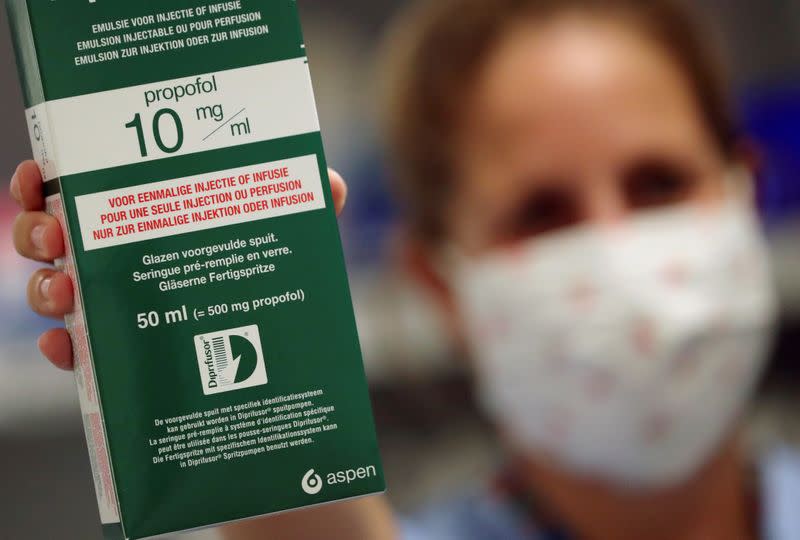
(433, 441)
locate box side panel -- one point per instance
(89, 399)
(27, 59)
(113, 532)
(25, 52)
(24, 37)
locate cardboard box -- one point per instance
(217, 358)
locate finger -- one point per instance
(50, 293)
(56, 346)
(26, 186)
(38, 236)
(339, 189)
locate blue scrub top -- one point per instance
(491, 517)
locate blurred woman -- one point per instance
(579, 203)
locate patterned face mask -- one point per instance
(624, 354)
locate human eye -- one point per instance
(544, 210)
(652, 183)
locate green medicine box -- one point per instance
(217, 359)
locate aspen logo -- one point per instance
(312, 483)
(231, 360)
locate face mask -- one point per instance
(625, 354)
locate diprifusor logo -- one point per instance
(230, 360)
(312, 483)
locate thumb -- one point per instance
(339, 189)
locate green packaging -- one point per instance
(217, 359)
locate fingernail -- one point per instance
(44, 287)
(15, 192)
(37, 237)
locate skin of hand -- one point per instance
(38, 236)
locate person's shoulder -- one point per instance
(474, 516)
(780, 469)
(780, 492)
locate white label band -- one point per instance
(197, 203)
(176, 117)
